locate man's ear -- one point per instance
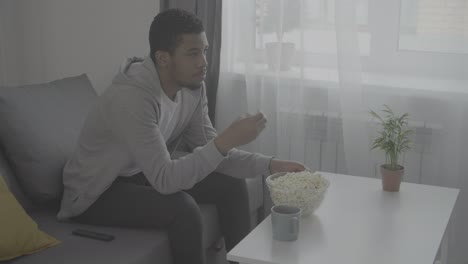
(162, 58)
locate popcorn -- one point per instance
(304, 189)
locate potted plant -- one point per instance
(278, 16)
(394, 140)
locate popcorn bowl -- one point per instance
(305, 190)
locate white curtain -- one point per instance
(337, 60)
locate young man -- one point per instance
(125, 171)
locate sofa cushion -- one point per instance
(12, 183)
(135, 246)
(40, 126)
(19, 233)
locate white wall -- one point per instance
(51, 39)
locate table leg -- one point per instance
(444, 247)
(443, 250)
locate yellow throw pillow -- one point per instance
(19, 234)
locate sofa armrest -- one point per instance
(267, 202)
(256, 196)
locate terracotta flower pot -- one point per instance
(391, 179)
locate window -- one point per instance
(309, 24)
(434, 25)
(393, 40)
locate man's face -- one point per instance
(187, 64)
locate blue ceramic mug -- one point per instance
(285, 222)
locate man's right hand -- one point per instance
(242, 131)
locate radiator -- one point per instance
(317, 140)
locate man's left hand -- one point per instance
(285, 166)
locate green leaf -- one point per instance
(393, 138)
(374, 114)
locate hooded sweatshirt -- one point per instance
(122, 136)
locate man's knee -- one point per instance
(188, 209)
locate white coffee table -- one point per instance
(358, 223)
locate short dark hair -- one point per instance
(168, 26)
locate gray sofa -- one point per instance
(39, 127)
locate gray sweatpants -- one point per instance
(132, 202)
